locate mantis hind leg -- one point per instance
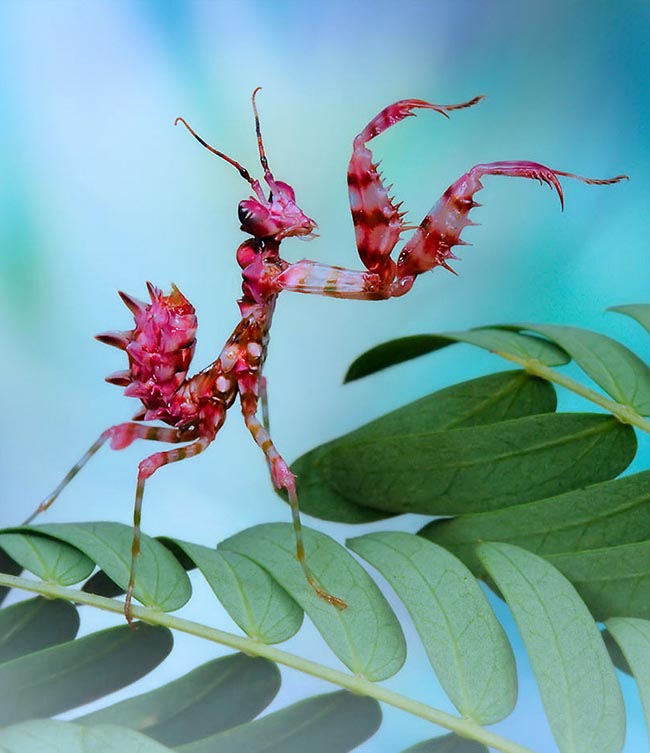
(120, 436)
(283, 479)
(146, 469)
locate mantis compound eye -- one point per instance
(244, 212)
(254, 218)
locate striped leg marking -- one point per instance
(146, 469)
(284, 479)
(378, 221)
(120, 436)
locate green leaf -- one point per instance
(218, 695)
(633, 636)
(35, 624)
(10, 567)
(333, 723)
(477, 402)
(256, 602)
(615, 511)
(619, 371)
(394, 352)
(101, 585)
(50, 560)
(615, 653)
(366, 636)
(576, 678)
(527, 347)
(55, 679)
(448, 744)
(466, 645)
(638, 311)
(509, 394)
(614, 581)
(482, 467)
(47, 736)
(597, 537)
(498, 340)
(160, 580)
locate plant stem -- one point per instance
(463, 727)
(623, 413)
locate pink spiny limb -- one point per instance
(440, 230)
(264, 403)
(146, 469)
(120, 436)
(281, 476)
(429, 247)
(397, 111)
(312, 277)
(593, 181)
(378, 221)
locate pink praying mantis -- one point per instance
(161, 345)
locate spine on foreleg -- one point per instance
(440, 230)
(376, 216)
(378, 222)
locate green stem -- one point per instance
(624, 413)
(463, 727)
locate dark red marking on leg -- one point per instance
(161, 344)
(119, 436)
(282, 479)
(377, 219)
(146, 469)
(440, 230)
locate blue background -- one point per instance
(98, 192)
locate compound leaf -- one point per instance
(216, 696)
(496, 397)
(160, 580)
(615, 368)
(466, 645)
(633, 637)
(638, 311)
(49, 559)
(61, 677)
(576, 678)
(35, 624)
(479, 468)
(49, 736)
(254, 600)
(493, 339)
(332, 723)
(366, 636)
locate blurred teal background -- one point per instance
(99, 192)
